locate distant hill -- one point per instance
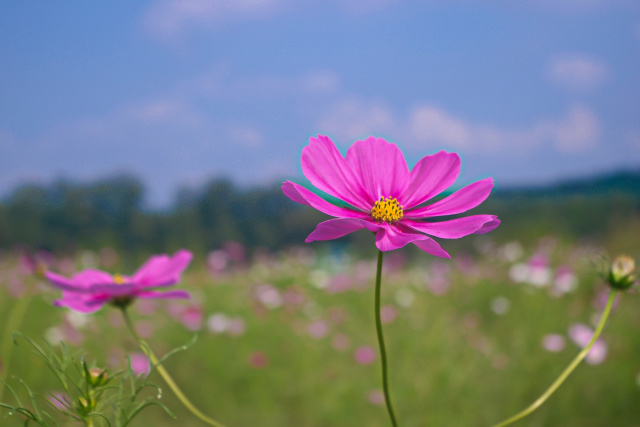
(619, 183)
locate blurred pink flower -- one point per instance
(318, 329)
(140, 364)
(386, 198)
(268, 296)
(217, 261)
(89, 290)
(258, 359)
(564, 281)
(235, 251)
(581, 335)
(293, 298)
(388, 314)
(192, 317)
(339, 283)
(365, 355)
(376, 397)
(553, 342)
(438, 285)
(236, 326)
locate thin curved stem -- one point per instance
(569, 369)
(383, 353)
(165, 375)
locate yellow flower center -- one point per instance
(118, 279)
(387, 210)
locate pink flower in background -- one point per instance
(388, 314)
(140, 364)
(376, 397)
(258, 360)
(385, 197)
(192, 317)
(318, 329)
(553, 342)
(365, 355)
(89, 290)
(581, 334)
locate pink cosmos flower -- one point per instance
(365, 355)
(140, 364)
(386, 197)
(89, 290)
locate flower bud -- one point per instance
(622, 272)
(85, 405)
(97, 377)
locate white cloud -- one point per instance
(168, 19)
(578, 72)
(430, 125)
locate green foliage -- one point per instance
(91, 395)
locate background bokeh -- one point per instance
(144, 127)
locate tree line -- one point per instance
(66, 216)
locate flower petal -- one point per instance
(301, 195)
(326, 169)
(81, 303)
(81, 282)
(162, 270)
(381, 167)
(396, 236)
(461, 201)
(489, 226)
(455, 228)
(432, 247)
(164, 295)
(430, 177)
(334, 228)
(114, 290)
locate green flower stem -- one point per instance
(563, 376)
(165, 375)
(15, 319)
(383, 353)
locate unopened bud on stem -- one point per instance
(622, 273)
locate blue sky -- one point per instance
(180, 91)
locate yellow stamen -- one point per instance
(387, 210)
(118, 279)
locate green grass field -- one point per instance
(278, 339)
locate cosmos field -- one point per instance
(288, 338)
